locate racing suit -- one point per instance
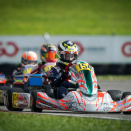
(57, 77)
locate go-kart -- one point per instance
(18, 97)
(3, 87)
(2, 79)
(88, 97)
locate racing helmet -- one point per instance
(48, 53)
(29, 57)
(67, 51)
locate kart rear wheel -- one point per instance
(9, 99)
(33, 99)
(116, 95)
(3, 90)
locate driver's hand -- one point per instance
(65, 75)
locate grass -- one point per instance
(36, 122)
(85, 17)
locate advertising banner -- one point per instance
(93, 49)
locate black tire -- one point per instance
(127, 112)
(4, 88)
(116, 95)
(9, 99)
(27, 90)
(33, 101)
(123, 96)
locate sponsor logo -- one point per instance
(126, 49)
(5, 50)
(96, 49)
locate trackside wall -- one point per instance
(108, 54)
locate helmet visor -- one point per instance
(69, 57)
(26, 62)
(49, 55)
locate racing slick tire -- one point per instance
(3, 90)
(33, 99)
(9, 99)
(123, 96)
(116, 95)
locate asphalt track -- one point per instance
(123, 85)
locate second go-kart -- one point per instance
(18, 97)
(3, 87)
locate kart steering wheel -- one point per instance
(70, 64)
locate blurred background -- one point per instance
(100, 28)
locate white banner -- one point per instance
(93, 49)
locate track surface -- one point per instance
(123, 85)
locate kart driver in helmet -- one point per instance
(67, 51)
(28, 58)
(48, 58)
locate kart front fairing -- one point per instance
(87, 97)
(2, 79)
(19, 79)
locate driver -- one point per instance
(28, 58)
(67, 51)
(48, 58)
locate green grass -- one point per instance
(77, 17)
(35, 122)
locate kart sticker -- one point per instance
(18, 81)
(2, 78)
(20, 100)
(15, 100)
(48, 68)
(27, 71)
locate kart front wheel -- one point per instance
(123, 96)
(9, 99)
(3, 90)
(116, 95)
(33, 99)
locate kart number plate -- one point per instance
(83, 66)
